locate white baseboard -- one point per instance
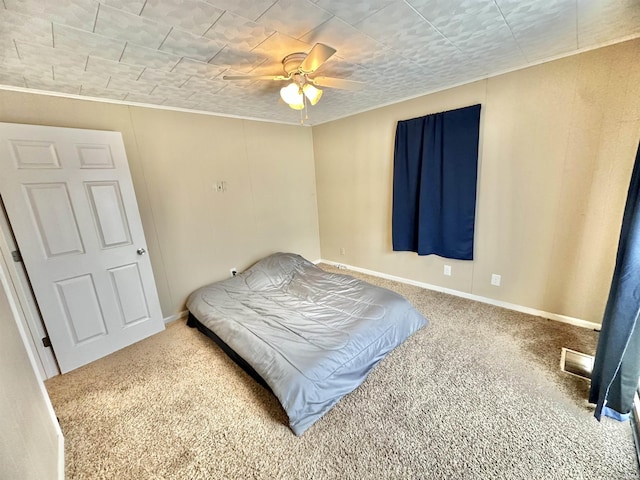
(498, 303)
(60, 456)
(175, 317)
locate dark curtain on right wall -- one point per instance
(434, 183)
(617, 364)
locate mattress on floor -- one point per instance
(312, 336)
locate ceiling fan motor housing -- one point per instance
(292, 62)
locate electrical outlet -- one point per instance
(233, 271)
(496, 279)
(343, 251)
(447, 270)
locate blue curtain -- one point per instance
(617, 364)
(434, 183)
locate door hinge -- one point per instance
(46, 341)
(17, 257)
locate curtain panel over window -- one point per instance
(434, 183)
(616, 370)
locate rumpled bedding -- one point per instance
(313, 336)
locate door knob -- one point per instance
(141, 251)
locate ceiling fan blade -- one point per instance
(319, 54)
(255, 77)
(340, 83)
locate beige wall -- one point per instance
(29, 439)
(194, 234)
(557, 146)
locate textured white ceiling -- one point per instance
(174, 52)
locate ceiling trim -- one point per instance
(143, 105)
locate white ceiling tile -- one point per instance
(151, 99)
(402, 28)
(460, 20)
(76, 74)
(238, 60)
(18, 26)
(76, 13)
(53, 85)
(435, 51)
(278, 46)
(353, 11)
(525, 14)
(131, 6)
(178, 102)
(350, 43)
(99, 92)
(236, 88)
(201, 84)
(541, 48)
(387, 61)
(188, 45)
(12, 79)
(203, 100)
(338, 68)
(258, 71)
(251, 9)
(34, 53)
(162, 77)
(122, 25)
(172, 92)
(86, 43)
(294, 17)
(543, 33)
(24, 68)
(496, 41)
(189, 15)
(598, 18)
(126, 85)
(8, 50)
(146, 57)
(239, 31)
(522, 8)
(188, 66)
(103, 67)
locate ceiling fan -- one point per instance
(299, 69)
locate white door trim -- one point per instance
(44, 357)
(6, 285)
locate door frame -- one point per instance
(26, 302)
(17, 316)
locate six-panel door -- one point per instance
(71, 203)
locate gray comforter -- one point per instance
(312, 336)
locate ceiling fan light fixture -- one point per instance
(312, 93)
(292, 95)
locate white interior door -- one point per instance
(70, 199)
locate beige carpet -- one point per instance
(477, 394)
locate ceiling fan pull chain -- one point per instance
(306, 111)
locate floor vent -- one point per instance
(576, 363)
